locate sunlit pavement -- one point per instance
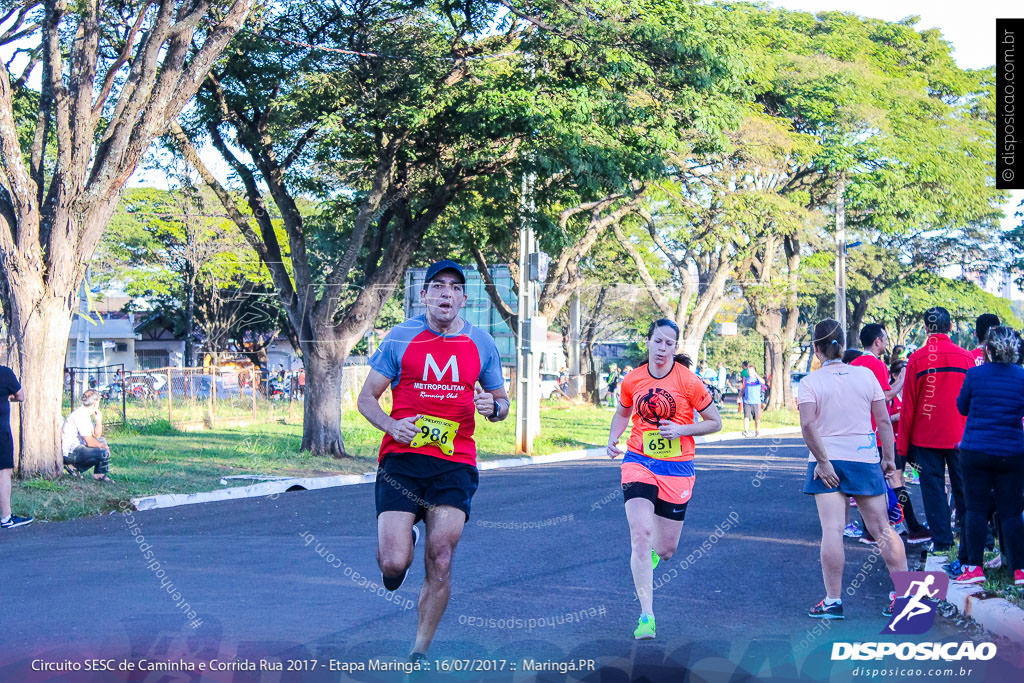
(541, 581)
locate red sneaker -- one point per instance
(971, 575)
(1018, 577)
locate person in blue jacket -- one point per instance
(992, 451)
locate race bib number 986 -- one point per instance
(437, 431)
(657, 446)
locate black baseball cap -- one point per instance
(443, 265)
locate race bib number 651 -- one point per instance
(657, 446)
(437, 431)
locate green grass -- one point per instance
(997, 581)
(154, 457)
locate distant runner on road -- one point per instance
(657, 472)
(427, 467)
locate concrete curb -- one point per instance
(269, 488)
(996, 615)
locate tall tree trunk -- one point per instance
(776, 308)
(321, 419)
(857, 313)
(769, 325)
(37, 357)
(53, 210)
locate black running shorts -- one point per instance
(662, 508)
(6, 450)
(414, 482)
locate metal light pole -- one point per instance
(841, 252)
(573, 361)
(527, 369)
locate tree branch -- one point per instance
(297, 149)
(122, 58)
(653, 289)
(24, 230)
(269, 253)
(506, 312)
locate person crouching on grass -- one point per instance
(81, 440)
(836, 404)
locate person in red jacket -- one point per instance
(930, 424)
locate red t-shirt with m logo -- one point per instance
(434, 374)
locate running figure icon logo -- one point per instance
(656, 405)
(917, 594)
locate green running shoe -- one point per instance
(645, 628)
(654, 559)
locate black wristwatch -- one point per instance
(495, 413)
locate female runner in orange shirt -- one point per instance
(657, 472)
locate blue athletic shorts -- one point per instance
(855, 479)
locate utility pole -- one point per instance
(532, 329)
(841, 252)
(83, 341)
(573, 360)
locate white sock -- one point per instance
(5, 519)
(833, 601)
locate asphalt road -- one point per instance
(541, 580)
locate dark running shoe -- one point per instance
(15, 521)
(888, 611)
(823, 611)
(922, 535)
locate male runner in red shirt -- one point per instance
(427, 468)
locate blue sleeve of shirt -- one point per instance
(963, 401)
(384, 359)
(490, 361)
(387, 359)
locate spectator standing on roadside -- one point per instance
(750, 396)
(930, 424)
(982, 325)
(10, 390)
(613, 385)
(722, 380)
(704, 372)
(992, 452)
(837, 403)
(850, 355)
(874, 340)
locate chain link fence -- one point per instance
(113, 383)
(200, 397)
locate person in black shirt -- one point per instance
(10, 390)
